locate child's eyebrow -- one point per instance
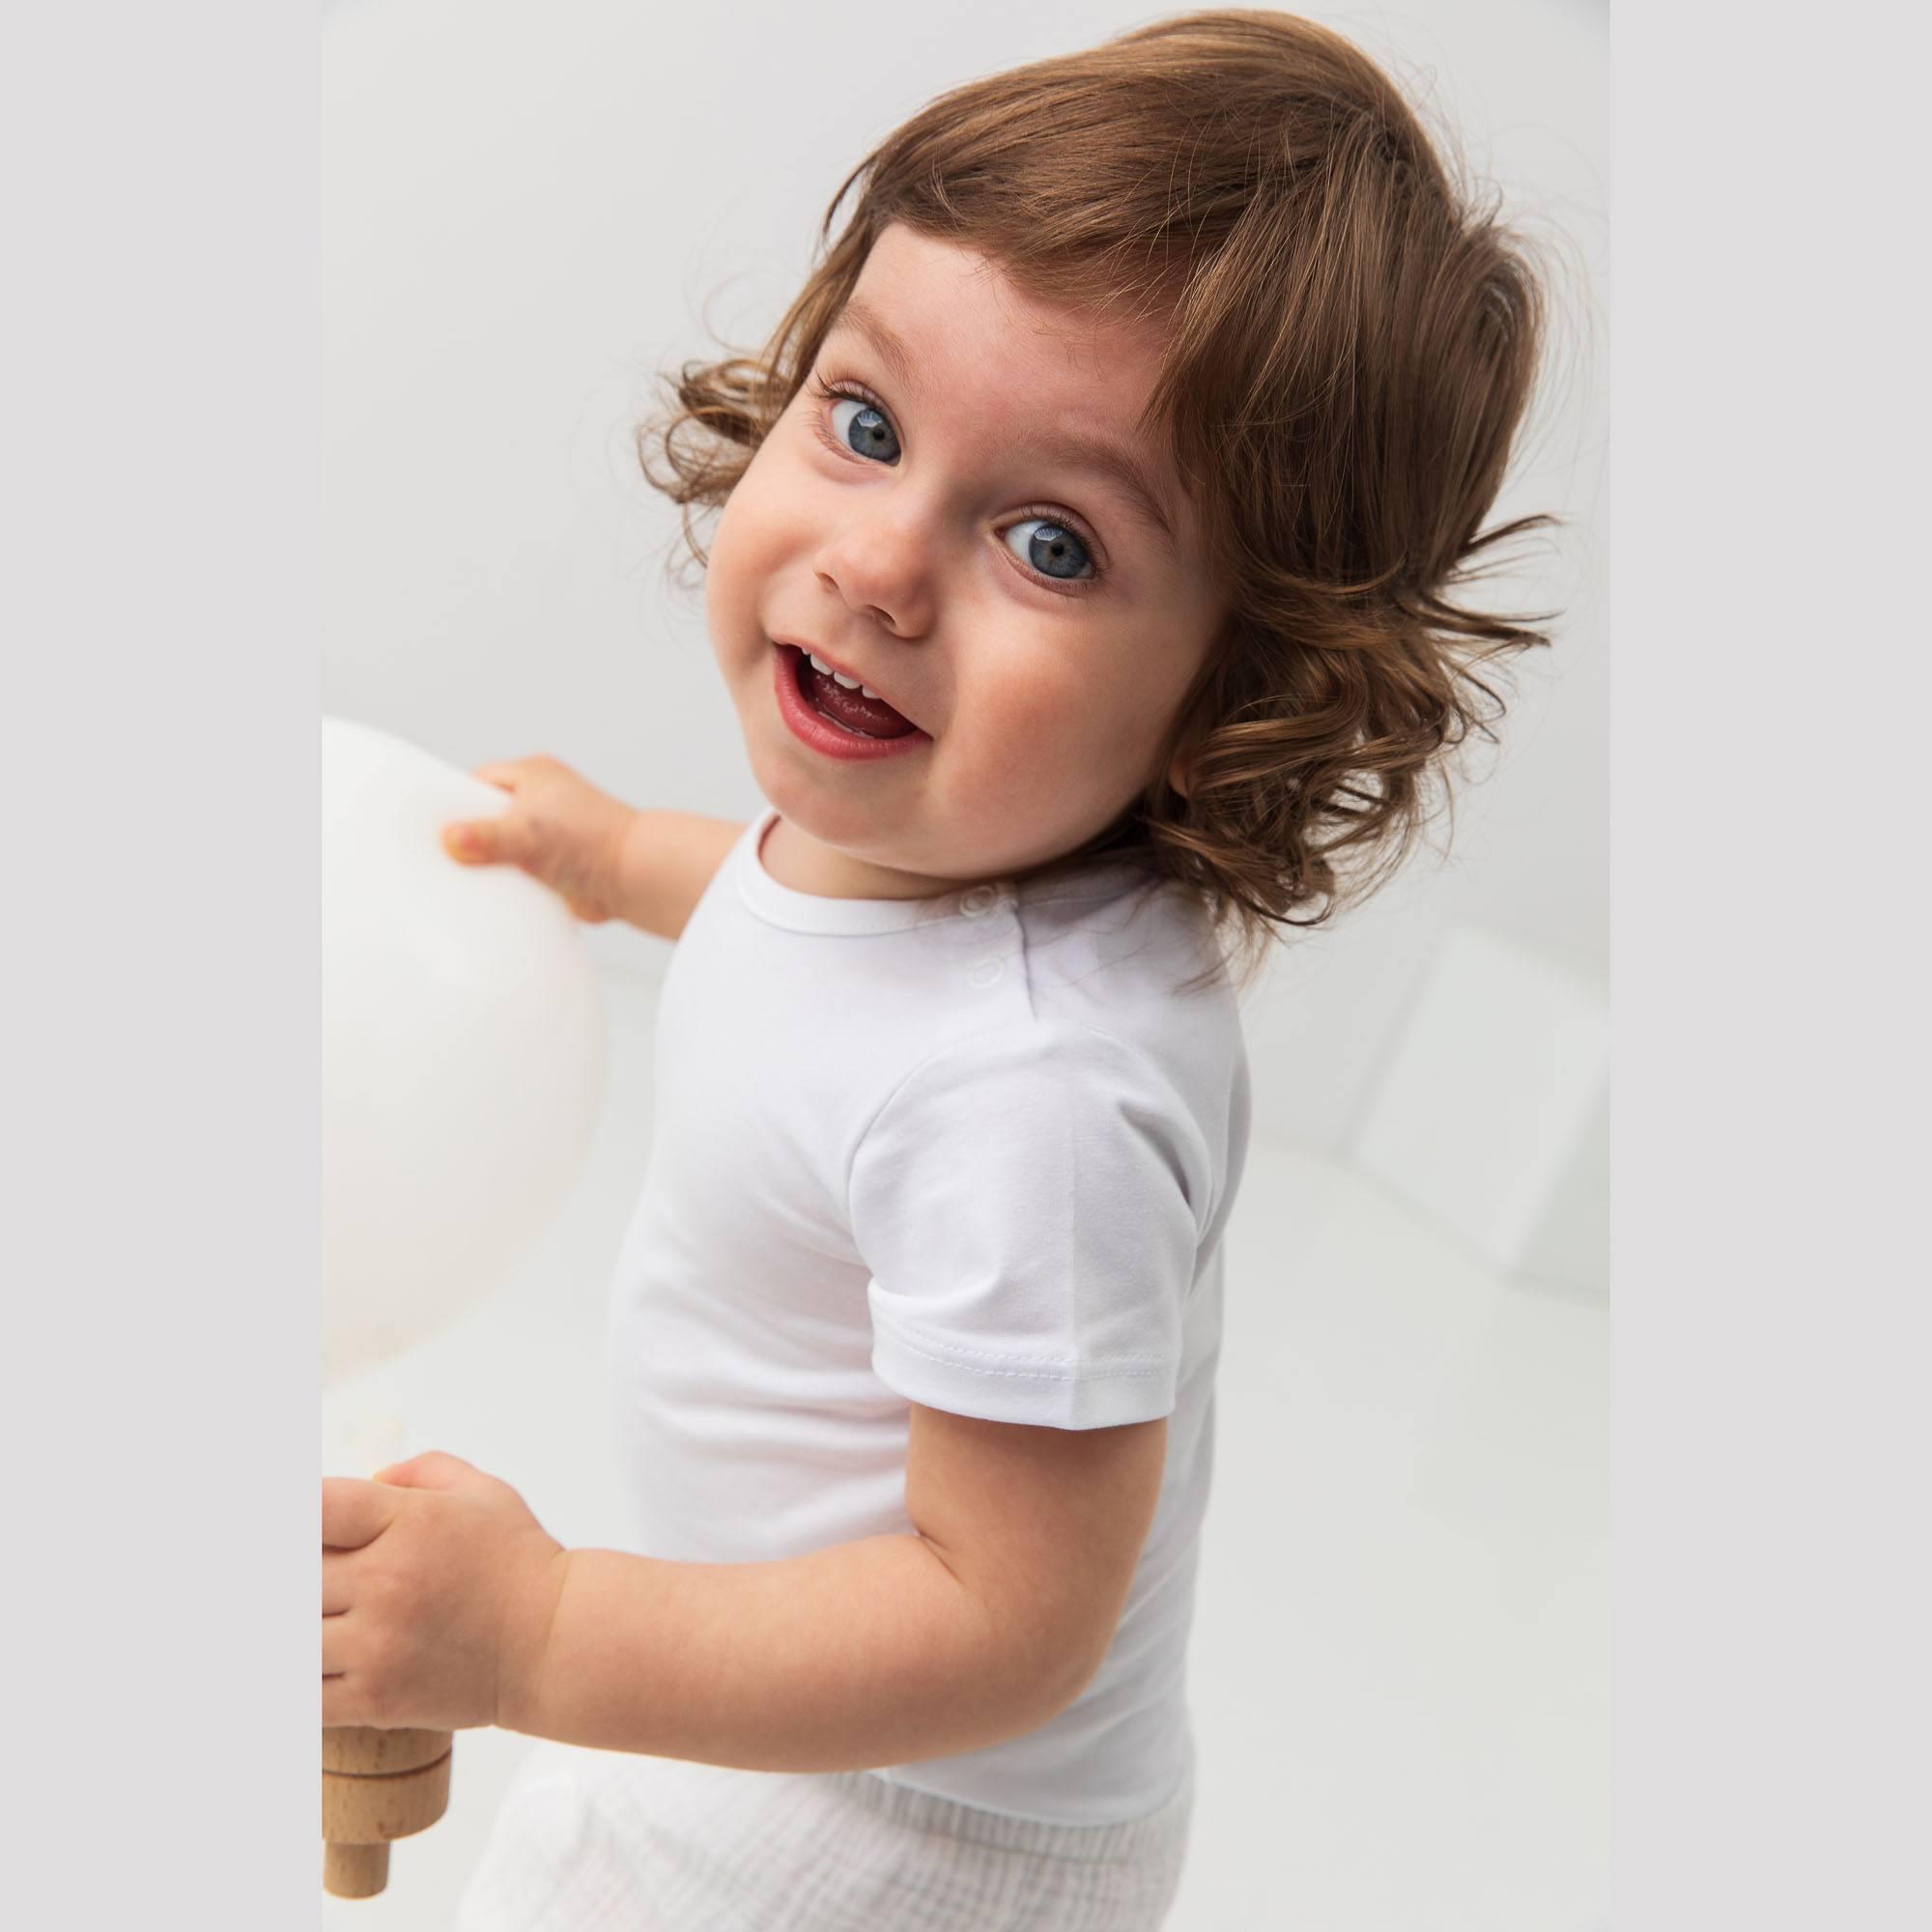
(1092, 453)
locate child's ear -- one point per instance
(1177, 774)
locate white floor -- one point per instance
(1400, 1662)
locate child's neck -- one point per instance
(799, 862)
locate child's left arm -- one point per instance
(989, 1618)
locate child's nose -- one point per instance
(886, 571)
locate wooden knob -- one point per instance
(377, 1785)
(354, 1871)
(371, 1753)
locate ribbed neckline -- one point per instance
(809, 912)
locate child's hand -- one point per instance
(560, 829)
(438, 1590)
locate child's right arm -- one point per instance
(668, 860)
(605, 859)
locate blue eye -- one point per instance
(869, 433)
(1049, 546)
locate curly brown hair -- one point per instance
(1351, 344)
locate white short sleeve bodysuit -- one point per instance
(973, 1152)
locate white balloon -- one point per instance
(462, 1052)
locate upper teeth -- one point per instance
(839, 678)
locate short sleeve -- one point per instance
(1025, 1202)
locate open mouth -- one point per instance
(848, 708)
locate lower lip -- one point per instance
(820, 733)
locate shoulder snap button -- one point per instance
(985, 972)
(977, 901)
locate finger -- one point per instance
(507, 776)
(476, 840)
(338, 1586)
(337, 1641)
(469, 839)
(433, 1469)
(345, 1700)
(353, 1513)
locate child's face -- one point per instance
(943, 550)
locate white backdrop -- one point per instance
(531, 208)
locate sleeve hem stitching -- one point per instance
(895, 1336)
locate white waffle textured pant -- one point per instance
(594, 1841)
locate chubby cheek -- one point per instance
(1049, 748)
(731, 595)
(749, 545)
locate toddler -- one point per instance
(1080, 582)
